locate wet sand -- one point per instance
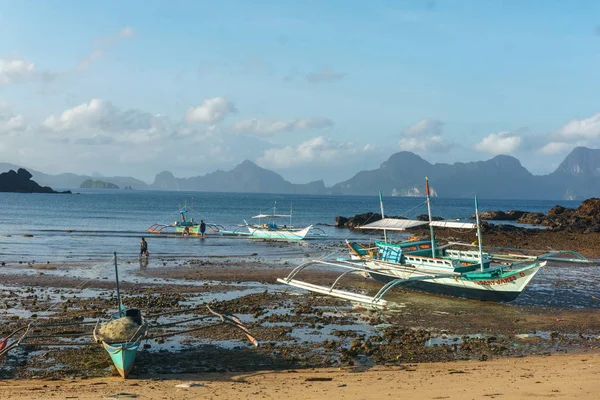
(428, 346)
(561, 376)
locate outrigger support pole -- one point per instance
(382, 216)
(397, 282)
(429, 213)
(479, 234)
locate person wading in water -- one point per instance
(143, 248)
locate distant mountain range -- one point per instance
(403, 174)
(73, 181)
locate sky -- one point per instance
(309, 89)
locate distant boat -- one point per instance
(187, 226)
(273, 231)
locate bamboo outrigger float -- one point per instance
(425, 266)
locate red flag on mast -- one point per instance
(427, 186)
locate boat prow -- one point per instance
(284, 233)
(123, 356)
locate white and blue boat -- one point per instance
(269, 227)
(424, 265)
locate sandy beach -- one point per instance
(430, 347)
(560, 377)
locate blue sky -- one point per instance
(310, 89)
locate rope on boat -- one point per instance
(182, 332)
(181, 322)
(569, 285)
(81, 285)
(186, 311)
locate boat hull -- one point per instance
(189, 230)
(278, 234)
(122, 355)
(504, 287)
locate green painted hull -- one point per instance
(122, 355)
(191, 230)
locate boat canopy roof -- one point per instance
(392, 224)
(272, 216)
(454, 224)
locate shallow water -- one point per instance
(88, 227)
(92, 224)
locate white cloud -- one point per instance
(325, 74)
(210, 111)
(588, 128)
(430, 144)
(424, 136)
(89, 59)
(103, 45)
(88, 123)
(499, 143)
(424, 127)
(14, 71)
(315, 151)
(262, 127)
(83, 116)
(10, 123)
(555, 148)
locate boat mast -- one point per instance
(382, 216)
(429, 213)
(118, 292)
(291, 215)
(479, 234)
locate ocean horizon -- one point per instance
(96, 222)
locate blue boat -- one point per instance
(122, 350)
(123, 355)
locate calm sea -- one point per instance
(94, 223)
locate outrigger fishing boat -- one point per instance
(187, 225)
(273, 231)
(425, 266)
(121, 337)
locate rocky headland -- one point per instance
(583, 219)
(20, 182)
(562, 228)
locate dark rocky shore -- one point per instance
(20, 182)
(563, 228)
(583, 219)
